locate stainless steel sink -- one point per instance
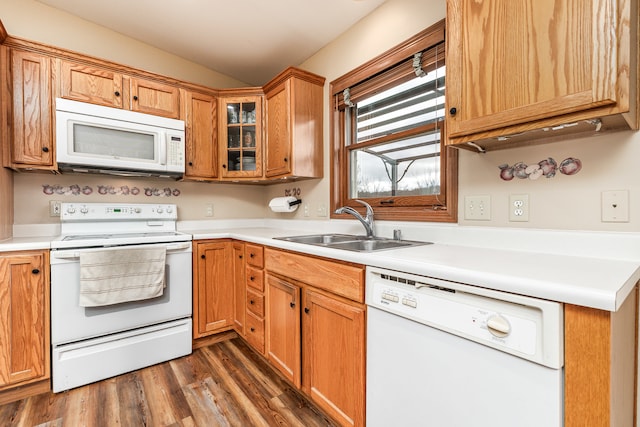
(351, 242)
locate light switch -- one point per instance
(615, 206)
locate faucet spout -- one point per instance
(367, 220)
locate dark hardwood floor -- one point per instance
(223, 384)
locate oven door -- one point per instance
(70, 322)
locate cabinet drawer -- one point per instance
(255, 332)
(340, 278)
(254, 255)
(255, 278)
(255, 303)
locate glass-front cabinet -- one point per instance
(241, 137)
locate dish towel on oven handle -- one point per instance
(119, 275)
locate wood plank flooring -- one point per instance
(223, 384)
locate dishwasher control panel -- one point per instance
(507, 322)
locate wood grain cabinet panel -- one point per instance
(538, 63)
(155, 98)
(239, 286)
(24, 315)
(199, 113)
(294, 125)
(213, 287)
(85, 83)
(26, 109)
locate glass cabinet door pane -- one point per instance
(249, 112)
(233, 137)
(233, 113)
(248, 137)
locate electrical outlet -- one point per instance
(208, 209)
(519, 207)
(477, 208)
(615, 206)
(55, 206)
(322, 210)
(305, 209)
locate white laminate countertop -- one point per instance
(600, 278)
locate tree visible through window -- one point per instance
(388, 127)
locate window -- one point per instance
(387, 130)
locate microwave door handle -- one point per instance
(163, 149)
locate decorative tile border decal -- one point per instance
(547, 168)
(103, 190)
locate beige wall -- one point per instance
(563, 202)
(35, 21)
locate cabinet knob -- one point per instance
(252, 329)
(224, 166)
(202, 256)
(240, 256)
(35, 271)
(251, 302)
(190, 163)
(116, 93)
(135, 97)
(286, 159)
(45, 149)
(292, 304)
(453, 111)
(306, 310)
(251, 255)
(252, 278)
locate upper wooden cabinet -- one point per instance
(24, 318)
(241, 137)
(519, 66)
(294, 125)
(26, 110)
(88, 83)
(199, 112)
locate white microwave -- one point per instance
(96, 139)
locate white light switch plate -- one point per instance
(477, 208)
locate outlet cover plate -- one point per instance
(519, 207)
(615, 206)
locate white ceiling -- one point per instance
(249, 40)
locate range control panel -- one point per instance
(117, 212)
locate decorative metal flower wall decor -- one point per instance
(103, 190)
(547, 168)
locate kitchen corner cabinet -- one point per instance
(241, 137)
(213, 287)
(520, 66)
(294, 125)
(88, 83)
(26, 110)
(24, 314)
(315, 332)
(199, 113)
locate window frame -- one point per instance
(403, 208)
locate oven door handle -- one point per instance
(76, 254)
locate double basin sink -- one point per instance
(351, 242)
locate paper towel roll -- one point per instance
(284, 204)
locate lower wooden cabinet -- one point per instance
(24, 318)
(254, 296)
(213, 287)
(239, 288)
(315, 338)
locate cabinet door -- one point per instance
(283, 327)
(334, 356)
(200, 116)
(24, 318)
(278, 146)
(213, 309)
(90, 84)
(511, 62)
(241, 137)
(155, 98)
(239, 287)
(32, 140)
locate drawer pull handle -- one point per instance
(251, 255)
(252, 278)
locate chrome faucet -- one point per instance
(367, 222)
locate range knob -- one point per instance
(160, 210)
(84, 210)
(498, 326)
(71, 210)
(169, 210)
(137, 210)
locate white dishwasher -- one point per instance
(445, 354)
